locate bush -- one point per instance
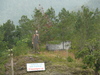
(84, 67)
(21, 48)
(69, 59)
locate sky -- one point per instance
(14, 9)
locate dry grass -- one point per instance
(62, 54)
(60, 58)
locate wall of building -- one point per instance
(61, 46)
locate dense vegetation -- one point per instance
(82, 28)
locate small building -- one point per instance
(61, 46)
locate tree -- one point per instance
(91, 55)
(8, 29)
(25, 30)
(87, 26)
(50, 18)
(44, 23)
(2, 43)
(65, 25)
(84, 27)
(25, 26)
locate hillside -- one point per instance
(56, 63)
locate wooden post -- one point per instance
(12, 66)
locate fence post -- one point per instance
(12, 66)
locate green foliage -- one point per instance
(65, 25)
(23, 20)
(90, 54)
(54, 42)
(3, 44)
(4, 59)
(89, 60)
(69, 59)
(21, 48)
(82, 53)
(82, 28)
(87, 42)
(84, 66)
(8, 29)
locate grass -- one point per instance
(55, 61)
(58, 58)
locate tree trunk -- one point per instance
(63, 45)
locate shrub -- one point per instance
(84, 67)
(21, 48)
(69, 59)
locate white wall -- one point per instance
(67, 45)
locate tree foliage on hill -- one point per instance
(88, 42)
(2, 43)
(8, 29)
